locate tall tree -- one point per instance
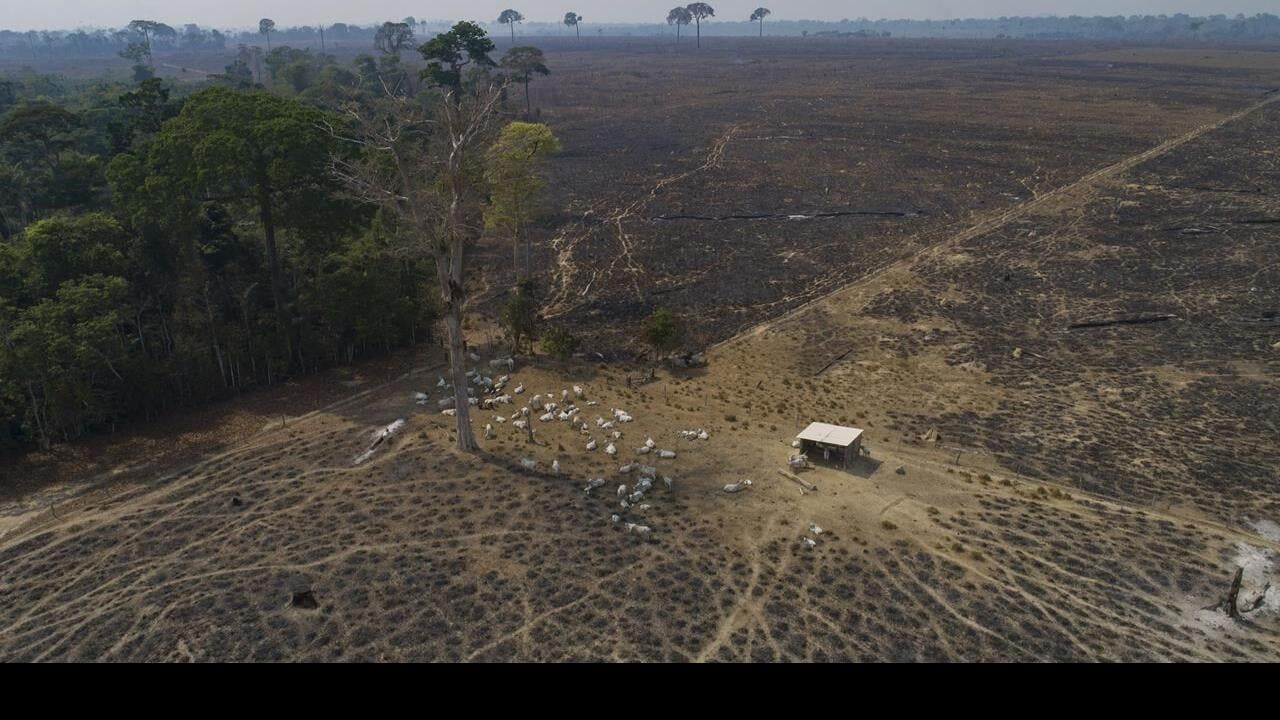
(573, 19)
(510, 17)
(758, 15)
(147, 28)
(515, 189)
(679, 16)
(391, 38)
(698, 11)
(466, 44)
(524, 62)
(266, 26)
(419, 163)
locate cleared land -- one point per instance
(765, 175)
(1090, 491)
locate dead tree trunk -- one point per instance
(1229, 604)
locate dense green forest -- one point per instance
(165, 245)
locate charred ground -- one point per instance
(755, 177)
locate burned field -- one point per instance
(1129, 330)
(282, 549)
(741, 192)
(1069, 394)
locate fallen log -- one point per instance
(796, 478)
(791, 216)
(1138, 320)
(1195, 230)
(835, 360)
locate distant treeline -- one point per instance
(164, 38)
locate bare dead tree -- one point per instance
(414, 158)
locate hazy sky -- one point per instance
(42, 14)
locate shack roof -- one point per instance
(837, 435)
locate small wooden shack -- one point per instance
(831, 444)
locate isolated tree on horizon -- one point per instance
(679, 16)
(266, 26)
(700, 10)
(572, 19)
(511, 17)
(147, 28)
(758, 15)
(524, 62)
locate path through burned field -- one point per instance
(740, 192)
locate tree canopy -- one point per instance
(510, 17)
(699, 11)
(391, 38)
(758, 15)
(663, 331)
(679, 16)
(523, 63)
(447, 54)
(511, 170)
